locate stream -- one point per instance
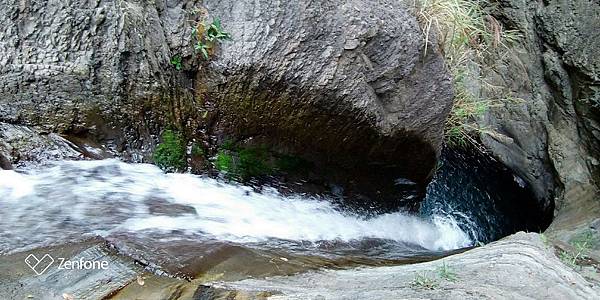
(179, 222)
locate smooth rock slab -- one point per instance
(18, 281)
(518, 267)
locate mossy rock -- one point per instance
(244, 163)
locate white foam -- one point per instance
(224, 211)
(14, 185)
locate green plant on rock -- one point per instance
(197, 150)
(176, 61)
(243, 162)
(466, 33)
(290, 163)
(544, 239)
(425, 281)
(228, 144)
(224, 161)
(253, 162)
(446, 272)
(170, 153)
(207, 37)
(582, 243)
(467, 107)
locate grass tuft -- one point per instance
(583, 244)
(466, 33)
(446, 272)
(425, 281)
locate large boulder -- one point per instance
(342, 82)
(345, 80)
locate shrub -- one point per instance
(170, 153)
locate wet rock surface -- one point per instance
(20, 282)
(21, 146)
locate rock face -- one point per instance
(550, 135)
(89, 67)
(345, 82)
(518, 267)
(20, 146)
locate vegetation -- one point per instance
(170, 153)
(197, 150)
(290, 163)
(544, 239)
(582, 244)
(207, 37)
(446, 272)
(228, 145)
(176, 61)
(466, 33)
(254, 161)
(243, 163)
(424, 281)
(224, 161)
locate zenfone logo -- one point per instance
(39, 266)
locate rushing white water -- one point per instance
(108, 196)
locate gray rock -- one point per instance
(90, 68)
(21, 146)
(347, 80)
(518, 267)
(549, 134)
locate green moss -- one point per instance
(224, 161)
(228, 145)
(243, 163)
(290, 163)
(197, 150)
(170, 154)
(253, 162)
